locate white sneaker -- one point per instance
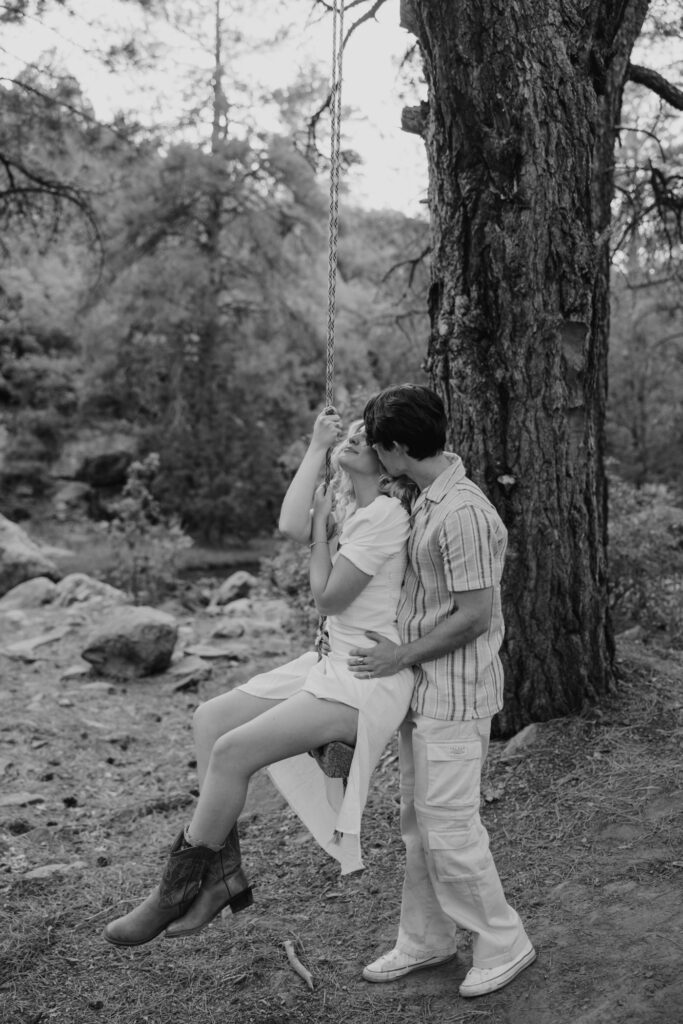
(480, 980)
(395, 964)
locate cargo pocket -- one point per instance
(453, 775)
(458, 854)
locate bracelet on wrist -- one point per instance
(313, 543)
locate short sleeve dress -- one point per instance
(374, 539)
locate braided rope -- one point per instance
(333, 223)
(334, 758)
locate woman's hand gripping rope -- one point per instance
(327, 428)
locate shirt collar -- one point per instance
(440, 487)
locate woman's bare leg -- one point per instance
(219, 715)
(291, 727)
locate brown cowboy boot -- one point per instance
(225, 884)
(180, 883)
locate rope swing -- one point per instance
(334, 758)
(335, 166)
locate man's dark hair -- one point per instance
(410, 414)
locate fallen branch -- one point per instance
(296, 963)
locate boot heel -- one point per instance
(242, 900)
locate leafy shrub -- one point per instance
(145, 542)
(37, 396)
(287, 573)
(646, 559)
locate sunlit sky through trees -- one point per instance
(173, 66)
(393, 172)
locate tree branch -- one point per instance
(24, 180)
(412, 263)
(364, 17)
(657, 84)
(644, 131)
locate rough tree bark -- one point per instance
(523, 99)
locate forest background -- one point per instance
(163, 286)
(163, 292)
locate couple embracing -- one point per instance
(406, 558)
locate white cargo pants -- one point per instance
(450, 881)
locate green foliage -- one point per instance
(646, 560)
(211, 334)
(37, 401)
(645, 416)
(41, 133)
(287, 574)
(206, 328)
(146, 543)
(382, 323)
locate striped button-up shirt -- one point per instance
(457, 542)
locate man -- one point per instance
(450, 622)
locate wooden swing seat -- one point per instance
(334, 758)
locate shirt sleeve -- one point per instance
(471, 550)
(373, 534)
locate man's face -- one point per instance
(392, 459)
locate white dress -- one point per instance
(374, 540)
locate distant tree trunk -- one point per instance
(206, 393)
(523, 102)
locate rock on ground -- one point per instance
(21, 558)
(30, 594)
(239, 585)
(134, 642)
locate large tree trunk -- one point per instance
(523, 98)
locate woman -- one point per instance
(357, 560)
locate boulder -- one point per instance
(30, 594)
(232, 628)
(134, 642)
(239, 585)
(236, 609)
(79, 588)
(21, 558)
(225, 629)
(249, 614)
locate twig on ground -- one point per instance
(296, 963)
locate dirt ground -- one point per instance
(586, 829)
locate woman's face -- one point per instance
(357, 456)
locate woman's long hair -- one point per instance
(342, 487)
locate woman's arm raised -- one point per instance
(295, 514)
